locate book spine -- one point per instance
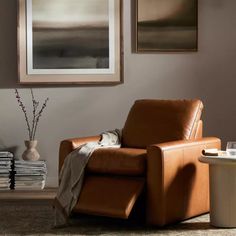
(12, 175)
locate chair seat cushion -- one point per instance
(119, 161)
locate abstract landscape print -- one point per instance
(69, 41)
(166, 25)
(68, 34)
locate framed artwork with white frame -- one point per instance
(70, 41)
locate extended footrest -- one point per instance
(109, 196)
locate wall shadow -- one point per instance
(12, 149)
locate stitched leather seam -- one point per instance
(199, 105)
(163, 209)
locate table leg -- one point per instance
(223, 195)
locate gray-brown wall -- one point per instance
(209, 74)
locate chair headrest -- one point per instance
(156, 121)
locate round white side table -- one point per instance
(222, 190)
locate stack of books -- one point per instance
(6, 159)
(29, 175)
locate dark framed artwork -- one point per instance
(70, 41)
(166, 25)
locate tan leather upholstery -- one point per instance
(176, 182)
(109, 196)
(199, 130)
(158, 121)
(122, 161)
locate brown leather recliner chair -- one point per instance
(161, 143)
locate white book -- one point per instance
(30, 187)
(9, 165)
(29, 178)
(29, 174)
(5, 162)
(5, 167)
(6, 159)
(4, 188)
(5, 184)
(30, 163)
(30, 169)
(29, 182)
(6, 154)
(4, 175)
(4, 180)
(4, 171)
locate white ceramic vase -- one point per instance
(31, 154)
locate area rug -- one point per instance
(27, 218)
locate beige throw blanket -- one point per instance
(72, 174)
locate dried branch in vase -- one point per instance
(36, 113)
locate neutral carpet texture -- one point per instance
(25, 218)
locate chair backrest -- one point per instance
(157, 121)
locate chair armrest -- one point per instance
(177, 183)
(68, 145)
